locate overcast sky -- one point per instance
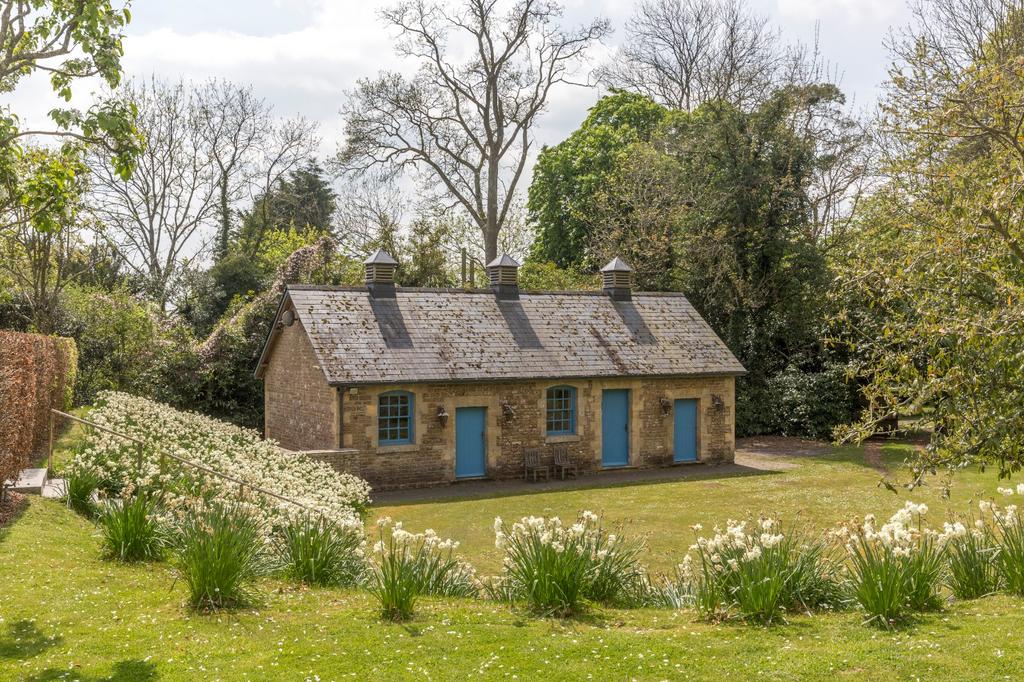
(302, 55)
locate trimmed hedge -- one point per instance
(37, 373)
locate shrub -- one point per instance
(971, 557)
(231, 450)
(80, 483)
(131, 530)
(556, 569)
(219, 552)
(896, 570)
(315, 551)
(409, 565)
(36, 374)
(797, 403)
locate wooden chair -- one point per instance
(564, 463)
(532, 464)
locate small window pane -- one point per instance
(394, 418)
(561, 410)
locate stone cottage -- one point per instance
(414, 387)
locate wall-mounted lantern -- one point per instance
(666, 406)
(717, 401)
(507, 410)
(442, 416)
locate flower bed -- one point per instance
(226, 449)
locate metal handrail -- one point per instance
(140, 444)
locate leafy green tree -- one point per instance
(116, 336)
(568, 176)
(71, 40)
(743, 251)
(304, 201)
(931, 285)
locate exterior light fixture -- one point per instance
(717, 401)
(666, 405)
(442, 416)
(507, 410)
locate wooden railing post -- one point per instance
(49, 453)
(138, 461)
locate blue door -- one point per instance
(686, 431)
(615, 427)
(470, 442)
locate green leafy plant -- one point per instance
(971, 557)
(315, 551)
(219, 553)
(1009, 559)
(896, 570)
(556, 569)
(80, 484)
(412, 564)
(131, 530)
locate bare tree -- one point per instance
(287, 145)
(152, 217)
(683, 53)
(466, 124)
(250, 149)
(369, 215)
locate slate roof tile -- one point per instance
(424, 335)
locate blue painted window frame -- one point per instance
(395, 418)
(560, 416)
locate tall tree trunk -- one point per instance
(225, 218)
(491, 226)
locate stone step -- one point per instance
(55, 488)
(30, 481)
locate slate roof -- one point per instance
(431, 335)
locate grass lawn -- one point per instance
(821, 491)
(66, 614)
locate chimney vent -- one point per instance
(503, 272)
(380, 274)
(618, 279)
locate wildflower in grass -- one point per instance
(219, 553)
(406, 565)
(131, 529)
(971, 557)
(896, 570)
(1006, 528)
(555, 568)
(316, 551)
(756, 574)
(80, 485)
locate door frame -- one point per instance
(484, 437)
(696, 430)
(628, 390)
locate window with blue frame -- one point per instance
(394, 418)
(561, 419)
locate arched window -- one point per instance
(561, 413)
(394, 418)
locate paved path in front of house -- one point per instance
(754, 456)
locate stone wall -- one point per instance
(301, 410)
(430, 460)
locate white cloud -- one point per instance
(858, 13)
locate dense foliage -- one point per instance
(932, 281)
